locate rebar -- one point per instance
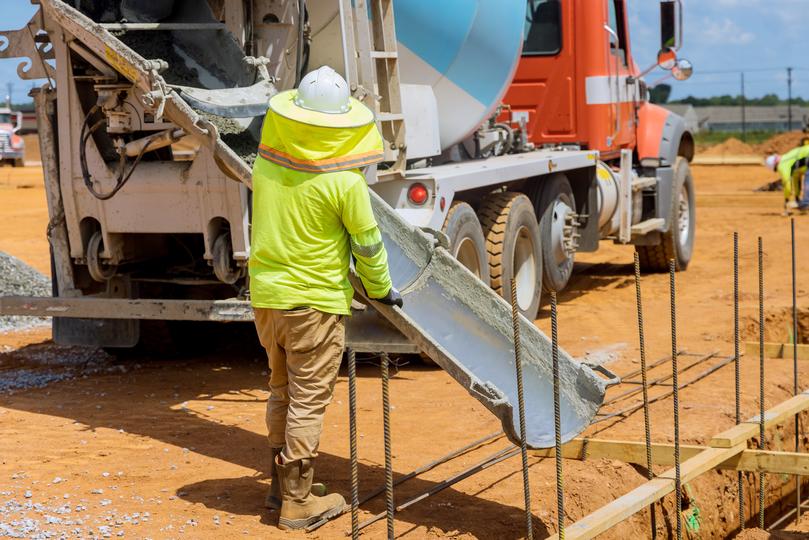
(352, 437)
(388, 457)
(433, 464)
(557, 420)
(795, 365)
(515, 322)
(737, 366)
(761, 478)
(645, 385)
(678, 488)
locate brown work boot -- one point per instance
(273, 499)
(299, 507)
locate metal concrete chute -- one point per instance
(466, 329)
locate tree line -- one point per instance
(660, 94)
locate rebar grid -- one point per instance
(645, 385)
(762, 476)
(557, 420)
(678, 488)
(515, 323)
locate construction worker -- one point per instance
(311, 212)
(792, 167)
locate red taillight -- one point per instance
(417, 194)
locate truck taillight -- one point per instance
(417, 194)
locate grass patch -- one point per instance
(710, 138)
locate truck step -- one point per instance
(644, 182)
(654, 224)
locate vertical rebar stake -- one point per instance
(352, 437)
(678, 488)
(761, 478)
(644, 378)
(795, 365)
(515, 323)
(557, 419)
(388, 456)
(736, 364)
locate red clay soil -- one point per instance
(781, 143)
(730, 147)
(182, 438)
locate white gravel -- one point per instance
(19, 279)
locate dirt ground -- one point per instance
(175, 447)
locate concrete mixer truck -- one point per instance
(517, 134)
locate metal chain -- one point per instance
(795, 365)
(515, 323)
(761, 478)
(352, 430)
(557, 419)
(737, 367)
(645, 382)
(678, 488)
(388, 456)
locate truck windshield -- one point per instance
(543, 28)
(5, 118)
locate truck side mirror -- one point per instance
(18, 127)
(682, 70)
(671, 34)
(666, 59)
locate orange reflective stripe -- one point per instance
(319, 165)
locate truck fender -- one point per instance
(662, 136)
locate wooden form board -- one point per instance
(776, 350)
(749, 460)
(723, 448)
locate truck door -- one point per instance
(543, 90)
(622, 95)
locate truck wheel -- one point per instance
(554, 205)
(514, 248)
(678, 242)
(466, 241)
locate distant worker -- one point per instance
(311, 212)
(792, 167)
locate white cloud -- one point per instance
(723, 31)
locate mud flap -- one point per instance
(118, 333)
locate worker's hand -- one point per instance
(393, 298)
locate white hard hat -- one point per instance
(324, 90)
(772, 161)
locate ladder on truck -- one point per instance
(371, 60)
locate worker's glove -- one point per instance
(393, 298)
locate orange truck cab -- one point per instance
(577, 85)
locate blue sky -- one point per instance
(763, 37)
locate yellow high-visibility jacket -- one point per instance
(311, 211)
(792, 169)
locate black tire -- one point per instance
(466, 241)
(556, 266)
(674, 244)
(512, 234)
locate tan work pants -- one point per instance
(304, 347)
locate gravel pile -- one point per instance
(37, 366)
(19, 279)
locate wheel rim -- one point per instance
(467, 255)
(525, 270)
(558, 220)
(683, 216)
